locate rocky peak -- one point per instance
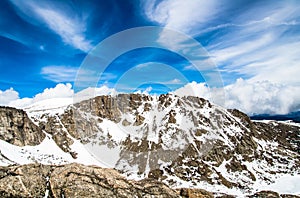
(16, 128)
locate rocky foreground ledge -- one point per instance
(76, 180)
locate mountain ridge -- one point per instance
(293, 116)
(191, 142)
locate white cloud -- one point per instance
(146, 91)
(250, 97)
(263, 97)
(174, 81)
(59, 73)
(93, 92)
(59, 91)
(194, 89)
(7, 96)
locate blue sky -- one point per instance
(44, 43)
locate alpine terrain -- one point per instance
(159, 146)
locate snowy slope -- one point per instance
(46, 153)
(49, 106)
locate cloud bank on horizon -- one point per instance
(254, 44)
(252, 98)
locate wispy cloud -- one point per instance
(203, 63)
(237, 49)
(59, 73)
(190, 67)
(174, 81)
(144, 65)
(262, 42)
(69, 26)
(180, 15)
(69, 29)
(270, 55)
(261, 46)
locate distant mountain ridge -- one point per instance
(293, 116)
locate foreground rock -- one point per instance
(76, 180)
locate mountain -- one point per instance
(184, 142)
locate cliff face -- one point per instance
(16, 128)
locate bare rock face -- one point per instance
(24, 181)
(267, 194)
(16, 128)
(75, 180)
(195, 193)
(139, 120)
(125, 122)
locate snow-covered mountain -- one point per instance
(181, 141)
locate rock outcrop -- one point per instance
(16, 128)
(77, 180)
